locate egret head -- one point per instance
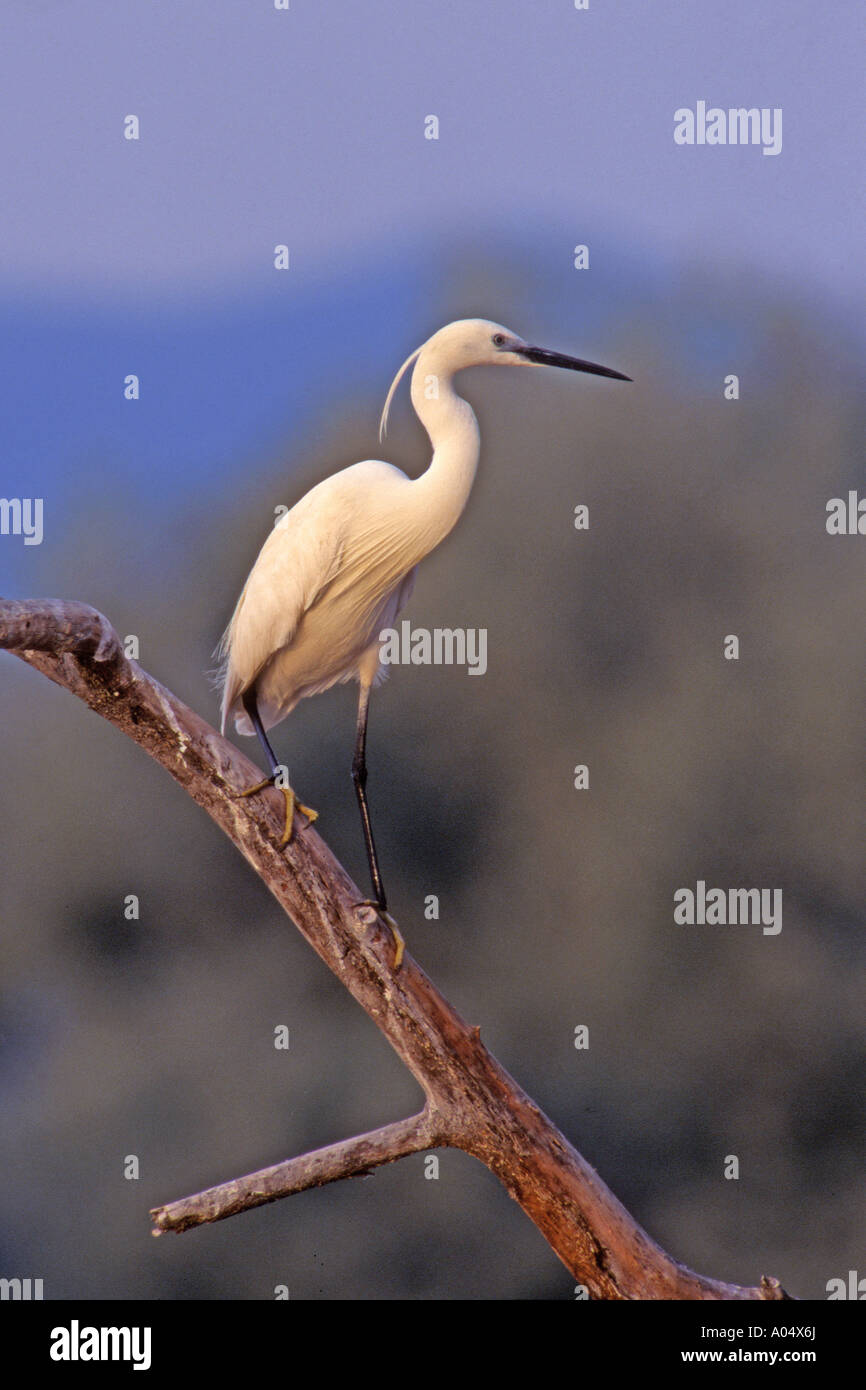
(482, 343)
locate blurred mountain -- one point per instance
(227, 381)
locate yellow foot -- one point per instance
(292, 805)
(399, 943)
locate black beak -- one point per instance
(545, 358)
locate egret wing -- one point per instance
(298, 560)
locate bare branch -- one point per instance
(477, 1106)
(349, 1159)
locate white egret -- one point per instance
(340, 565)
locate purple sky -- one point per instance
(306, 126)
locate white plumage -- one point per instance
(329, 577)
(340, 566)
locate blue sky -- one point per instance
(306, 126)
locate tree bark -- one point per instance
(471, 1101)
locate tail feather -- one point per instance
(222, 679)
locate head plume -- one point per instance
(383, 423)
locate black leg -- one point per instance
(251, 707)
(359, 777)
(248, 700)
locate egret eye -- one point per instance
(499, 339)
